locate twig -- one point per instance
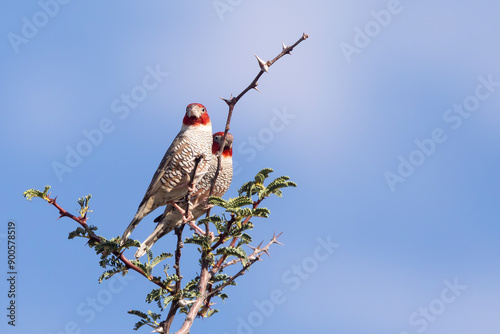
(254, 257)
(202, 288)
(83, 222)
(80, 220)
(177, 267)
(174, 306)
(231, 102)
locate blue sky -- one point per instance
(387, 117)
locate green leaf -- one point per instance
(130, 243)
(217, 201)
(233, 251)
(106, 246)
(245, 239)
(109, 273)
(240, 213)
(157, 295)
(83, 233)
(238, 202)
(160, 258)
(170, 279)
(210, 313)
(275, 186)
(30, 193)
(261, 212)
(138, 313)
(220, 277)
(146, 319)
(142, 266)
(236, 230)
(202, 241)
(149, 253)
(262, 175)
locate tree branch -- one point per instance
(92, 237)
(202, 288)
(174, 306)
(231, 102)
(254, 257)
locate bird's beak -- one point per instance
(194, 111)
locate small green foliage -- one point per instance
(238, 202)
(129, 243)
(257, 187)
(107, 246)
(262, 175)
(158, 296)
(84, 205)
(245, 239)
(149, 319)
(203, 241)
(121, 268)
(160, 258)
(109, 251)
(261, 212)
(233, 251)
(81, 232)
(214, 200)
(275, 186)
(170, 279)
(145, 269)
(210, 313)
(30, 193)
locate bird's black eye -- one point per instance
(203, 109)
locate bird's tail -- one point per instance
(131, 227)
(167, 222)
(145, 208)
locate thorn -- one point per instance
(228, 102)
(274, 240)
(285, 48)
(256, 89)
(262, 64)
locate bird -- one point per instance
(172, 217)
(173, 176)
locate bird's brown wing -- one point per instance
(173, 169)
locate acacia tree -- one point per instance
(220, 264)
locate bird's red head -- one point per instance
(196, 114)
(228, 147)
